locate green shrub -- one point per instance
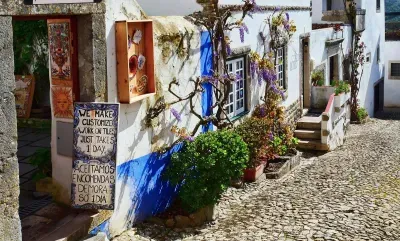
(42, 160)
(255, 133)
(317, 78)
(341, 87)
(362, 114)
(205, 167)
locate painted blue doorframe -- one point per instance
(206, 60)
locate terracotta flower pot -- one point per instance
(252, 174)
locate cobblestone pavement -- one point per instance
(352, 193)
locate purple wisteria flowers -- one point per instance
(176, 114)
(228, 49)
(241, 32)
(253, 68)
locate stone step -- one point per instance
(309, 144)
(308, 134)
(75, 226)
(309, 123)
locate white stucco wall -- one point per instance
(256, 24)
(392, 86)
(169, 8)
(134, 139)
(373, 36)
(320, 54)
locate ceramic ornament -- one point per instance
(137, 36)
(133, 66)
(129, 42)
(141, 85)
(141, 61)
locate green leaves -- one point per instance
(206, 166)
(30, 54)
(42, 160)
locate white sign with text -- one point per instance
(95, 147)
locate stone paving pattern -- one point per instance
(29, 140)
(352, 193)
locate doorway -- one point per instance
(379, 96)
(333, 69)
(45, 57)
(305, 86)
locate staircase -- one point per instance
(309, 133)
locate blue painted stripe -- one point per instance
(149, 192)
(206, 60)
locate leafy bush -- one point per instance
(255, 133)
(317, 78)
(362, 114)
(341, 87)
(42, 160)
(205, 167)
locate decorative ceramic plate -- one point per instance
(133, 66)
(137, 36)
(141, 61)
(141, 85)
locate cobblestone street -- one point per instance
(349, 194)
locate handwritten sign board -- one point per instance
(29, 2)
(95, 149)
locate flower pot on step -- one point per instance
(252, 174)
(341, 99)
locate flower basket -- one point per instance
(341, 99)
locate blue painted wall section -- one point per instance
(151, 194)
(206, 60)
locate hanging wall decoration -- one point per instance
(135, 58)
(137, 36)
(62, 101)
(25, 88)
(60, 51)
(141, 61)
(133, 66)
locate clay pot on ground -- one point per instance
(253, 173)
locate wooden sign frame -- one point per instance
(126, 50)
(25, 111)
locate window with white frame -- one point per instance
(237, 89)
(378, 5)
(280, 67)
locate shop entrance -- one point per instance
(45, 57)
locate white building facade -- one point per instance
(371, 20)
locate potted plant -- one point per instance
(320, 93)
(342, 93)
(317, 78)
(362, 115)
(203, 169)
(254, 132)
(41, 159)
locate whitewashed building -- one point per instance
(371, 25)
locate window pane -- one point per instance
(395, 69)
